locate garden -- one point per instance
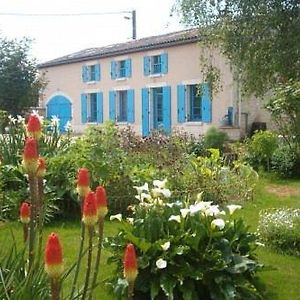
(111, 215)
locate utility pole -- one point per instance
(133, 16)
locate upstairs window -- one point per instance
(156, 64)
(91, 73)
(121, 69)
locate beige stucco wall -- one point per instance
(183, 68)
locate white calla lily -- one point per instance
(218, 223)
(232, 208)
(175, 218)
(161, 263)
(166, 246)
(116, 217)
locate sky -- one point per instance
(55, 36)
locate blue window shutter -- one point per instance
(206, 103)
(130, 106)
(181, 103)
(97, 72)
(145, 112)
(167, 109)
(164, 63)
(128, 68)
(85, 73)
(100, 107)
(83, 108)
(112, 105)
(113, 69)
(146, 65)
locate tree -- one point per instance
(260, 37)
(19, 81)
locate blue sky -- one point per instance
(56, 36)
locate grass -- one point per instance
(280, 278)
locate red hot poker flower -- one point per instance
(89, 215)
(41, 170)
(34, 127)
(25, 213)
(30, 156)
(53, 257)
(83, 182)
(101, 201)
(130, 264)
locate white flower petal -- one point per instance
(160, 183)
(184, 212)
(218, 223)
(161, 263)
(116, 217)
(175, 218)
(166, 246)
(232, 208)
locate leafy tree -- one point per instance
(260, 37)
(19, 82)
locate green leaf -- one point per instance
(168, 283)
(154, 289)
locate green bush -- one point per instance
(280, 229)
(215, 138)
(186, 250)
(261, 147)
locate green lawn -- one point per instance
(281, 280)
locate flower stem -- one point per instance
(55, 289)
(32, 224)
(89, 262)
(82, 238)
(97, 264)
(130, 290)
(41, 213)
(25, 232)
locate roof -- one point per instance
(148, 43)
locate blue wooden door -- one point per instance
(60, 107)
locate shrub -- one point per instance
(215, 138)
(186, 250)
(280, 229)
(261, 147)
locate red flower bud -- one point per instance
(41, 170)
(101, 202)
(30, 156)
(130, 264)
(89, 215)
(34, 128)
(83, 182)
(25, 213)
(53, 256)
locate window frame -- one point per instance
(193, 93)
(92, 118)
(122, 95)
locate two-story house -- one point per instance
(150, 83)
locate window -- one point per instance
(92, 107)
(194, 103)
(121, 106)
(156, 64)
(91, 73)
(121, 69)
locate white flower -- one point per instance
(166, 246)
(54, 121)
(161, 263)
(213, 210)
(218, 223)
(160, 184)
(130, 220)
(20, 119)
(143, 196)
(184, 212)
(36, 113)
(232, 208)
(116, 217)
(68, 126)
(142, 188)
(166, 193)
(175, 218)
(200, 206)
(12, 119)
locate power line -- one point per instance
(64, 14)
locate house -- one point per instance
(150, 83)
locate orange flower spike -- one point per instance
(101, 201)
(41, 170)
(130, 264)
(53, 257)
(34, 127)
(89, 215)
(83, 182)
(30, 156)
(25, 213)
